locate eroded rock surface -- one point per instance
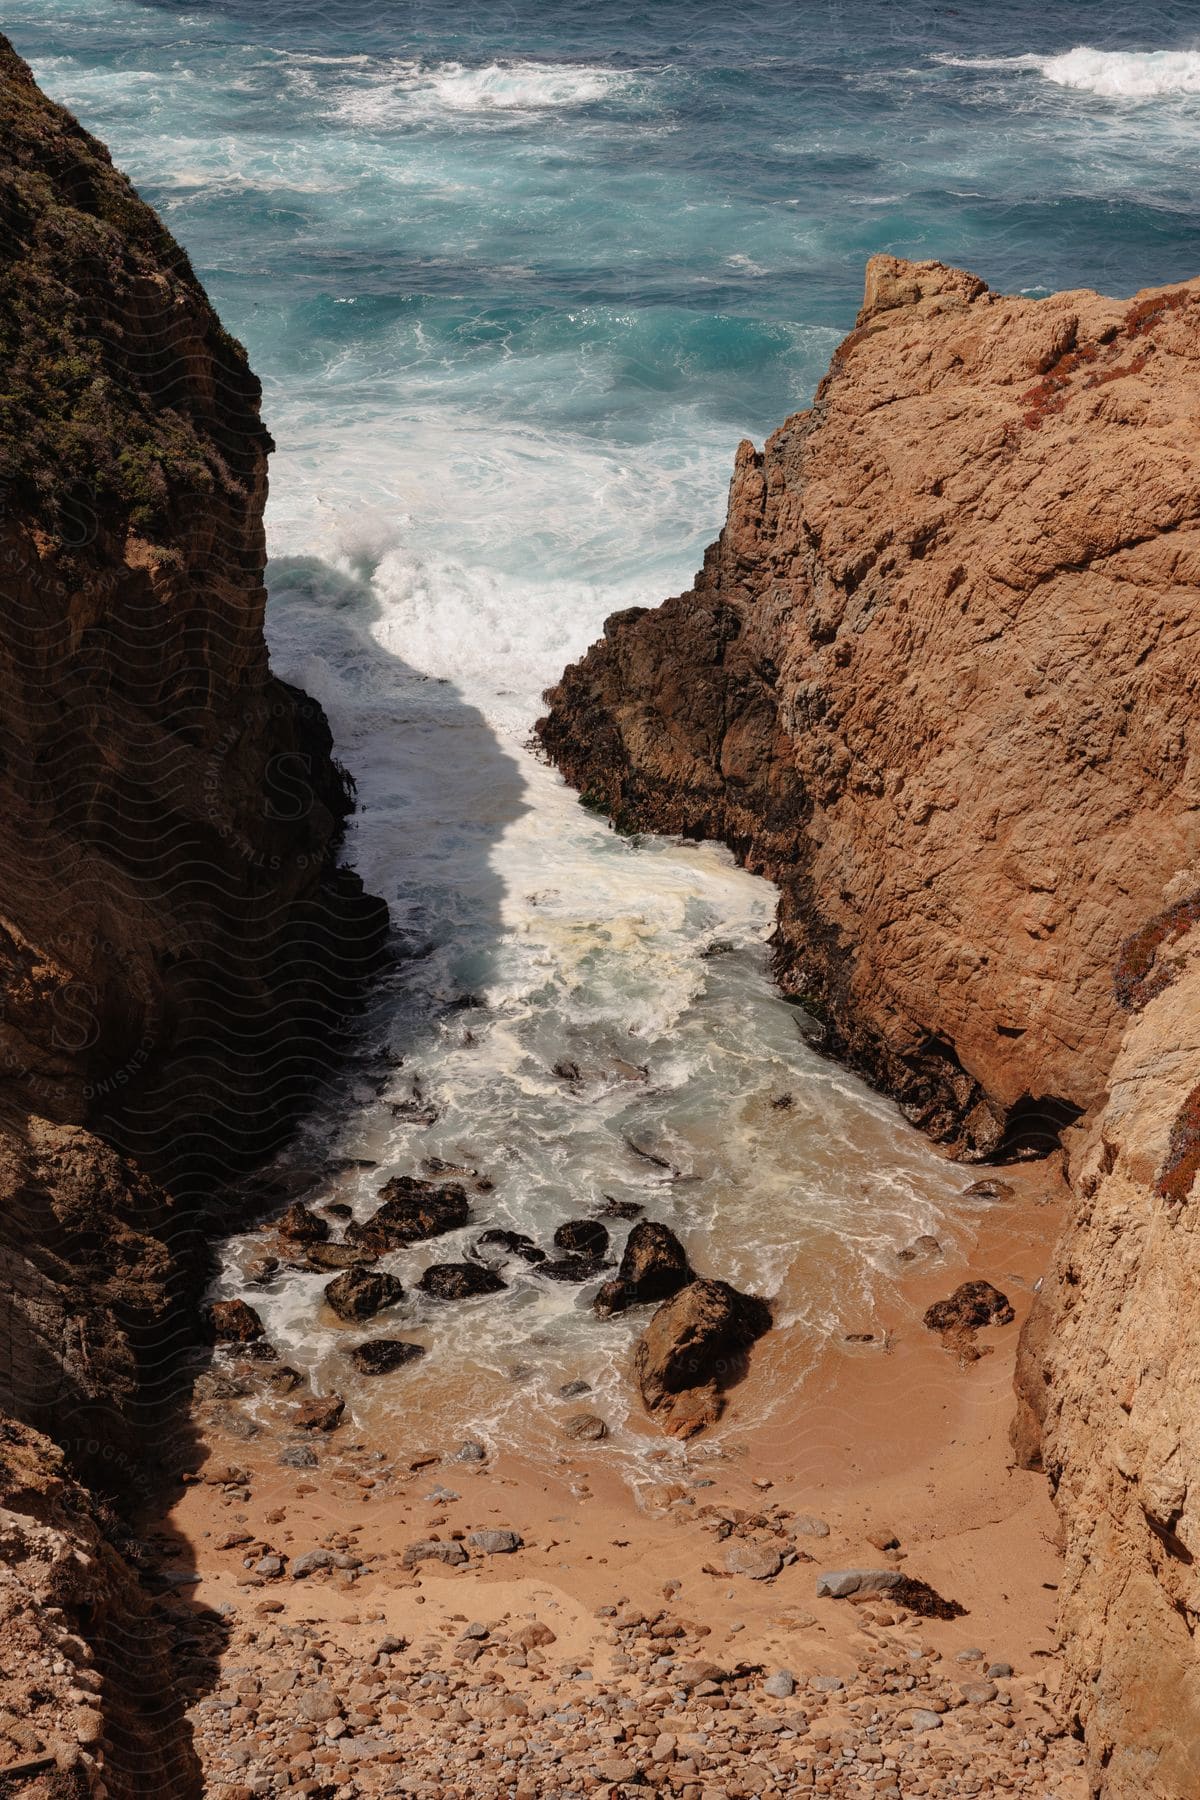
(929, 680)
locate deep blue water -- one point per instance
(516, 279)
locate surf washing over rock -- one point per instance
(936, 679)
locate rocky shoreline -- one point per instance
(986, 902)
(359, 1614)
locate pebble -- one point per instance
(496, 1543)
(781, 1685)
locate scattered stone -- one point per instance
(756, 1561)
(989, 1189)
(361, 1293)
(310, 1562)
(460, 1281)
(470, 1452)
(781, 1685)
(571, 1268)
(883, 1540)
(922, 1720)
(284, 1379)
(839, 1584)
(430, 1550)
(321, 1412)
(497, 1542)
(971, 1306)
(298, 1456)
(570, 1389)
(338, 1256)
(920, 1248)
(586, 1428)
(621, 1209)
(808, 1525)
(232, 1322)
(999, 1671)
(381, 1355)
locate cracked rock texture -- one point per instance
(1110, 1371)
(935, 680)
(939, 678)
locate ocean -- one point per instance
(516, 280)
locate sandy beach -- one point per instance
(893, 1441)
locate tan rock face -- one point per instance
(1111, 1361)
(938, 679)
(935, 678)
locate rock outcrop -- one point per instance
(934, 680)
(1109, 1403)
(938, 678)
(176, 936)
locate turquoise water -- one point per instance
(516, 282)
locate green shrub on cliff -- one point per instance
(122, 397)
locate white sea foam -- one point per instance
(400, 91)
(1111, 74)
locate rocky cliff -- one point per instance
(938, 678)
(176, 936)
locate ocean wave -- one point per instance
(1111, 74)
(410, 89)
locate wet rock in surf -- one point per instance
(586, 1428)
(459, 1281)
(323, 1412)
(693, 1348)
(338, 1209)
(493, 1246)
(338, 1256)
(382, 1355)
(654, 1267)
(583, 1237)
(299, 1225)
(571, 1268)
(919, 1248)
(232, 1322)
(621, 1209)
(361, 1293)
(412, 1210)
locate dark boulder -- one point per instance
(459, 1281)
(361, 1293)
(582, 1237)
(382, 1355)
(969, 1308)
(298, 1225)
(693, 1348)
(974, 1304)
(571, 1268)
(621, 1209)
(412, 1211)
(493, 1246)
(654, 1267)
(338, 1256)
(232, 1322)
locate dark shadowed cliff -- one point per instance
(176, 937)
